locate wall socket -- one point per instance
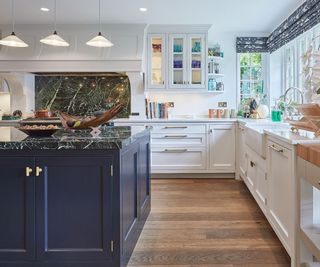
(222, 104)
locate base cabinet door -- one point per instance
(74, 208)
(261, 187)
(280, 200)
(17, 209)
(243, 157)
(144, 178)
(222, 147)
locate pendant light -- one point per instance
(99, 40)
(54, 39)
(12, 40)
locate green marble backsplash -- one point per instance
(82, 94)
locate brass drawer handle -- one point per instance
(279, 150)
(28, 171)
(175, 150)
(38, 171)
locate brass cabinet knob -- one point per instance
(28, 171)
(38, 171)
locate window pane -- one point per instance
(245, 88)
(256, 59)
(257, 89)
(245, 59)
(245, 73)
(256, 73)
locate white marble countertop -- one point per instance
(289, 137)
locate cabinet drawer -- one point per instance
(179, 128)
(178, 159)
(313, 174)
(179, 139)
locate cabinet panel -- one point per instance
(157, 53)
(74, 212)
(177, 60)
(261, 187)
(197, 62)
(243, 157)
(182, 158)
(144, 174)
(179, 139)
(17, 209)
(280, 201)
(222, 147)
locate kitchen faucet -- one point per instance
(285, 100)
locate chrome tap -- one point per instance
(287, 114)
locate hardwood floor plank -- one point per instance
(208, 223)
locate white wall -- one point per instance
(198, 104)
(4, 104)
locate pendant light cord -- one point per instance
(55, 15)
(99, 15)
(13, 15)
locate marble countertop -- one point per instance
(287, 136)
(109, 138)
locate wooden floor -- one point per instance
(206, 223)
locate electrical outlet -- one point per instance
(222, 104)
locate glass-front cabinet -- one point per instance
(177, 61)
(157, 61)
(187, 54)
(197, 64)
(179, 65)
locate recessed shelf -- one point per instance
(178, 53)
(177, 68)
(196, 68)
(196, 53)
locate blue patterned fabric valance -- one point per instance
(300, 21)
(252, 45)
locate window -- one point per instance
(252, 78)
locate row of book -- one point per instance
(155, 110)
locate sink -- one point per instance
(255, 136)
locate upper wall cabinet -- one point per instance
(187, 61)
(157, 61)
(176, 60)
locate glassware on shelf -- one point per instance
(177, 48)
(196, 64)
(196, 48)
(177, 64)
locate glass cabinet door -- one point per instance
(156, 62)
(177, 58)
(197, 65)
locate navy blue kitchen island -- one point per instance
(73, 200)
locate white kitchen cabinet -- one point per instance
(281, 193)
(178, 158)
(157, 61)
(222, 147)
(187, 61)
(261, 187)
(242, 154)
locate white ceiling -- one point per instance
(225, 15)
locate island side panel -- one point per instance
(135, 194)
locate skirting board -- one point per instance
(193, 175)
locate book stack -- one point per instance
(155, 110)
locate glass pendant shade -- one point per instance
(99, 41)
(13, 41)
(54, 40)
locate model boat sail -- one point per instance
(311, 73)
(77, 123)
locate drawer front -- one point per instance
(178, 159)
(178, 139)
(179, 128)
(313, 174)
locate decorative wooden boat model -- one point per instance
(310, 120)
(78, 123)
